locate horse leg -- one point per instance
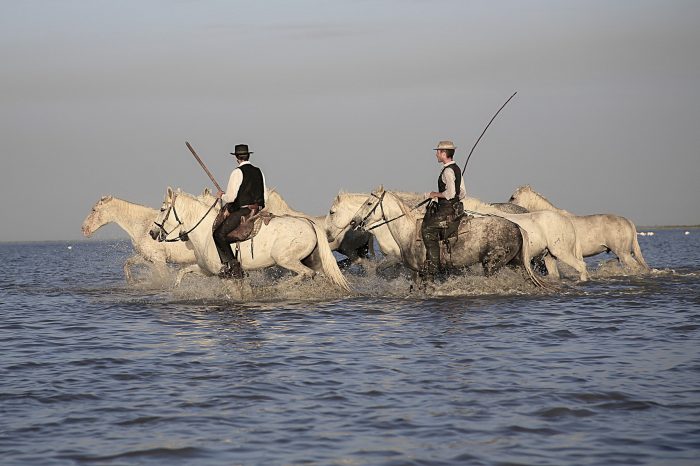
(127, 269)
(637, 250)
(571, 260)
(550, 263)
(494, 260)
(182, 272)
(387, 264)
(626, 259)
(295, 266)
(129, 263)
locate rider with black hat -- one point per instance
(245, 193)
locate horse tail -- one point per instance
(526, 258)
(635, 247)
(329, 265)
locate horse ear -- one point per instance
(206, 192)
(169, 193)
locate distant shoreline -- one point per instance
(640, 229)
(667, 227)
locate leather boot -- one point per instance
(427, 272)
(231, 269)
(236, 269)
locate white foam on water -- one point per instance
(262, 286)
(273, 285)
(258, 286)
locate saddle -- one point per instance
(250, 224)
(449, 235)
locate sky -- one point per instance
(98, 97)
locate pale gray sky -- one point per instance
(98, 97)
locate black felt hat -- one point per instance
(241, 149)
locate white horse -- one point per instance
(136, 220)
(354, 244)
(493, 242)
(387, 244)
(293, 243)
(597, 233)
(541, 231)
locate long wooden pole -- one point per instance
(211, 177)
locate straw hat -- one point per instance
(445, 145)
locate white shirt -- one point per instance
(448, 177)
(234, 184)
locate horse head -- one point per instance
(519, 193)
(167, 220)
(370, 211)
(96, 218)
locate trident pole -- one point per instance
(484, 131)
(211, 177)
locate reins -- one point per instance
(181, 236)
(384, 217)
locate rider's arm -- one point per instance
(234, 183)
(264, 188)
(448, 176)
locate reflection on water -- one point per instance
(486, 371)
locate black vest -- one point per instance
(458, 184)
(252, 190)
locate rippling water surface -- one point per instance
(486, 371)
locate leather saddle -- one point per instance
(249, 227)
(449, 235)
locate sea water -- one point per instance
(483, 371)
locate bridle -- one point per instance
(182, 236)
(362, 225)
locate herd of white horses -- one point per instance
(180, 234)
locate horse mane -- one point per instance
(276, 204)
(128, 206)
(403, 198)
(537, 200)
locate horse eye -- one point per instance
(369, 203)
(331, 212)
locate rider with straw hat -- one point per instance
(444, 211)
